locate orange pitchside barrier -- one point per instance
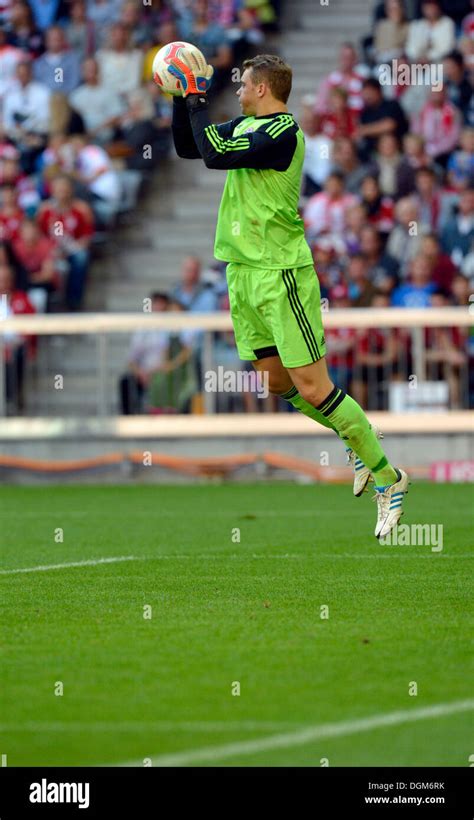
(220, 467)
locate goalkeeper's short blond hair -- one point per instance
(268, 68)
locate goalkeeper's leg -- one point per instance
(311, 391)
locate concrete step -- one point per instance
(195, 241)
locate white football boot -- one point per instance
(389, 505)
(362, 474)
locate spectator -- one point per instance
(62, 118)
(461, 291)
(192, 292)
(340, 342)
(431, 38)
(99, 181)
(70, 223)
(120, 66)
(444, 354)
(57, 157)
(317, 157)
(348, 77)
(382, 268)
(244, 34)
(45, 12)
(346, 162)
(461, 163)
(165, 33)
(211, 39)
(326, 212)
(80, 31)
(391, 34)
(376, 360)
(457, 236)
(379, 208)
(378, 117)
(11, 215)
(387, 160)
(138, 130)
(99, 107)
(356, 218)
(338, 120)
(412, 96)
(36, 255)
(148, 353)
(10, 56)
(326, 255)
(22, 32)
(457, 85)
(443, 270)
(429, 199)
(439, 124)
(417, 292)
(25, 188)
(58, 68)
(162, 117)
(25, 115)
(361, 289)
(131, 17)
(15, 302)
(172, 387)
(414, 157)
(102, 13)
(404, 240)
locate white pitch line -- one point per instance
(301, 737)
(148, 726)
(225, 556)
(90, 563)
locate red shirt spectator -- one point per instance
(380, 209)
(16, 303)
(339, 120)
(68, 221)
(439, 123)
(11, 214)
(75, 220)
(36, 253)
(326, 212)
(348, 77)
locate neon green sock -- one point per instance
(294, 398)
(354, 427)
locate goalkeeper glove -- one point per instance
(194, 78)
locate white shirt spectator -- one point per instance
(317, 158)
(434, 41)
(96, 104)
(325, 215)
(94, 165)
(10, 56)
(28, 107)
(120, 71)
(149, 349)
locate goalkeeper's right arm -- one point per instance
(183, 138)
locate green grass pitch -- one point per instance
(227, 611)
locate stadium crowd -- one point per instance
(82, 125)
(388, 193)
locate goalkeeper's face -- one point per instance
(249, 93)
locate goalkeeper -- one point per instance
(273, 288)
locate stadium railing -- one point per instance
(414, 323)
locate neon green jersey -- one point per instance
(258, 222)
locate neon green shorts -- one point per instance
(276, 313)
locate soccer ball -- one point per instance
(162, 77)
